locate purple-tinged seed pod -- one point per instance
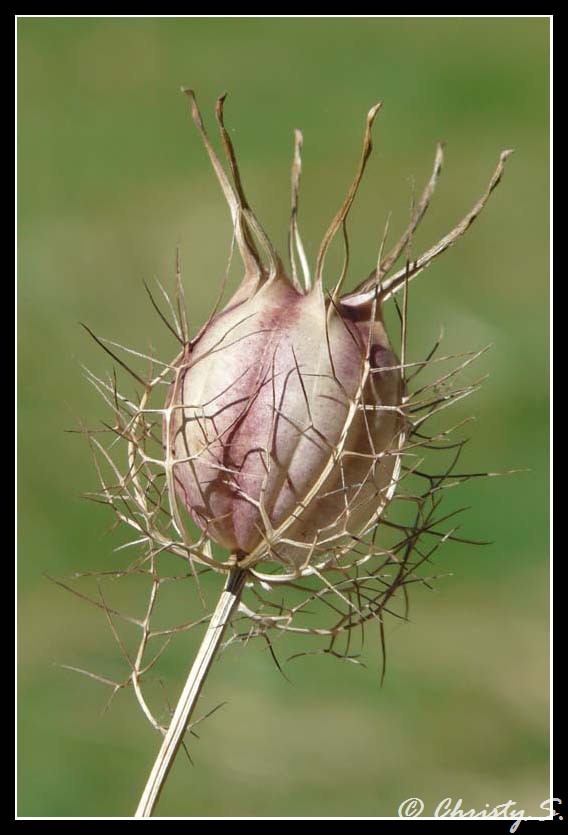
(285, 420)
(285, 425)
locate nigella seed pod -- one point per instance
(284, 423)
(290, 426)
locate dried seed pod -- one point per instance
(285, 417)
(284, 429)
(283, 423)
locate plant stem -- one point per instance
(226, 605)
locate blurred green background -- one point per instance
(112, 177)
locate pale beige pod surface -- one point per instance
(284, 422)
